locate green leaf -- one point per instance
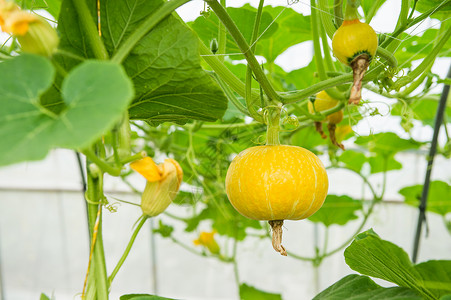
(353, 160)
(29, 131)
(44, 297)
(293, 28)
(446, 297)
(163, 229)
(243, 17)
(356, 287)
(303, 77)
(248, 292)
(337, 210)
(170, 85)
(423, 109)
(369, 5)
(307, 138)
(52, 6)
(436, 276)
(369, 255)
(380, 163)
(438, 198)
(442, 14)
(143, 297)
(386, 143)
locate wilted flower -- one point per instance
(163, 183)
(207, 240)
(33, 32)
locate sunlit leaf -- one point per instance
(143, 297)
(29, 131)
(438, 197)
(381, 163)
(248, 292)
(356, 287)
(353, 160)
(337, 210)
(386, 143)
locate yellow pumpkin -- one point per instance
(324, 102)
(352, 39)
(276, 183)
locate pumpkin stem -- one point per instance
(276, 227)
(273, 124)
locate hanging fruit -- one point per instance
(355, 44)
(323, 102)
(276, 183)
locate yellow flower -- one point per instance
(34, 34)
(163, 183)
(207, 240)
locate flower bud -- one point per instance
(33, 32)
(163, 183)
(207, 240)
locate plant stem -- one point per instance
(318, 87)
(121, 261)
(222, 37)
(249, 99)
(386, 55)
(150, 22)
(273, 123)
(326, 50)
(372, 11)
(101, 163)
(402, 19)
(226, 75)
(90, 29)
(244, 47)
(325, 15)
(94, 195)
(429, 59)
(338, 12)
(351, 10)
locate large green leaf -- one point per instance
(293, 28)
(381, 163)
(337, 210)
(423, 109)
(353, 160)
(356, 287)
(438, 198)
(28, 130)
(436, 276)
(369, 255)
(250, 293)
(170, 85)
(386, 143)
(441, 11)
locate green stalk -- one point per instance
(150, 22)
(351, 10)
(316, 44)
(127, 249)
(372, 11)
(244, 48)
(386, 55)
(402, 19)
(326, 20)
(318, 87)
(104, 166)
(90, 29)
(222, 37)
(234, 82)
(338, 12)
(94, 195)
(326, 50)
(273, 122)
(409, 24)
(250, 101)
(428, 60)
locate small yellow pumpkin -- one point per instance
(276, 183)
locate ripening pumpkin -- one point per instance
(355, 44)
(321, 103)
(276, 183)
